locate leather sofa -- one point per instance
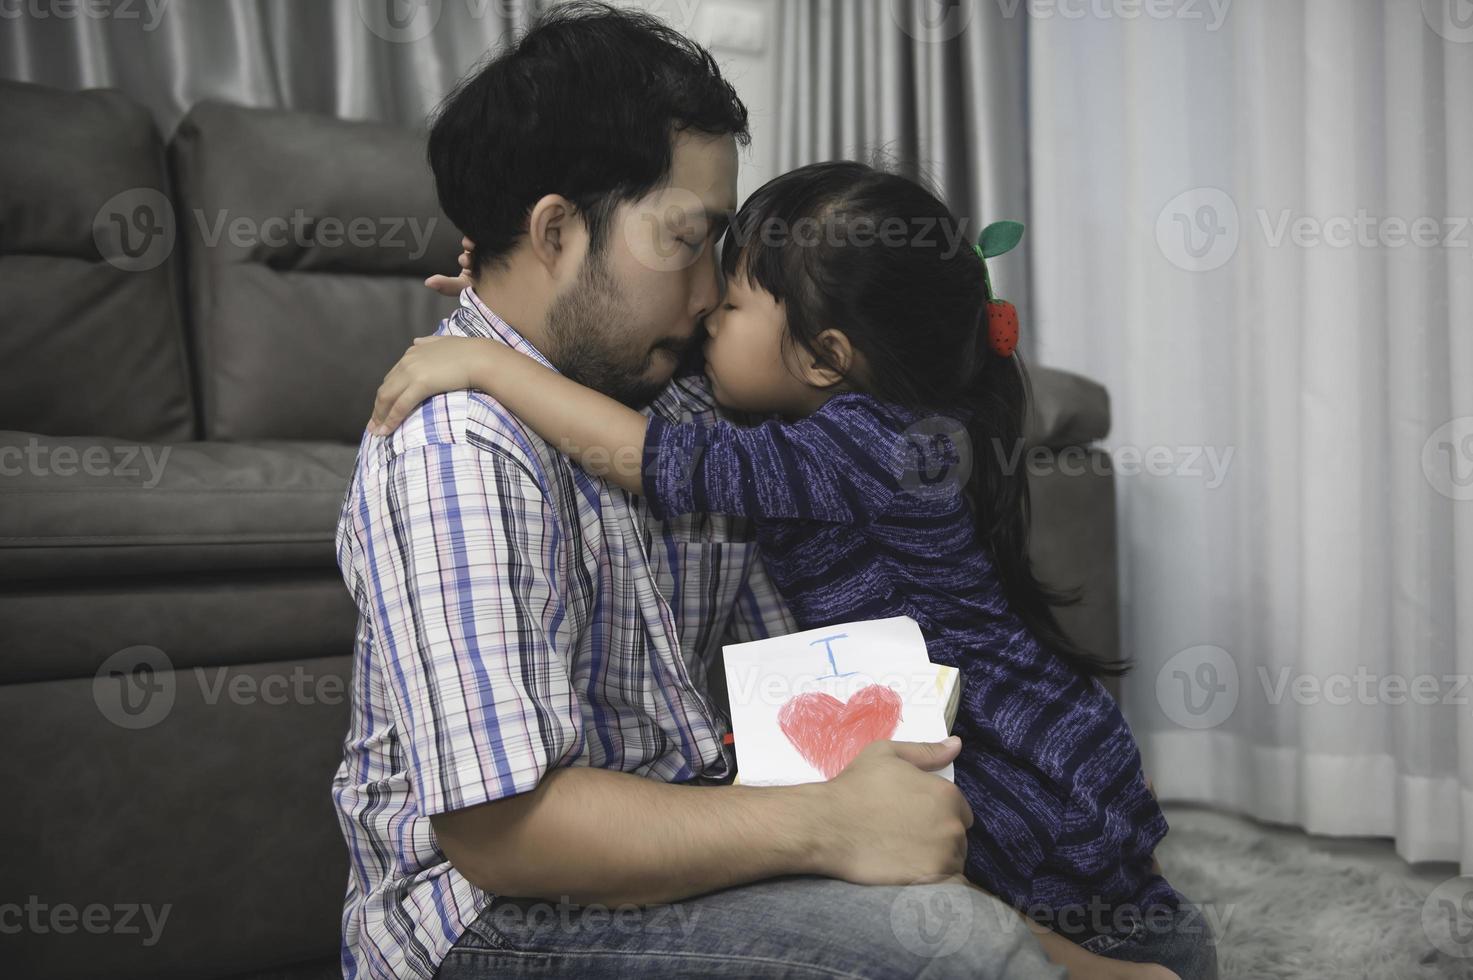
(190, 336)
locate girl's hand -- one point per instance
(453, 286)
(432, 365)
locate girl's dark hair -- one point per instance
(584, 104)
(875, 255)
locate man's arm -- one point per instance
(592, 835)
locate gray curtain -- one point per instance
(389, 60)
(938, 88)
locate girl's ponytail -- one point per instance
(999, 397)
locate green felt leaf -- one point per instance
(1000, 237)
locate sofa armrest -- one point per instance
(1072, 541)
(1068, 409)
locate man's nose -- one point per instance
(706, 287)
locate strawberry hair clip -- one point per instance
(1002, 317)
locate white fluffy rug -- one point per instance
(1289, 912)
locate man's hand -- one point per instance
(453, 285)
(890, 820)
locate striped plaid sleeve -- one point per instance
(461, 551)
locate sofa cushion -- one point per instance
(69, 628)
(92, 507)
(308, 241)
(91, 336)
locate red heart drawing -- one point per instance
(829, 733)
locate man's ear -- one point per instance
(552, 228)
(830, 361)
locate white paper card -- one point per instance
(803, 704)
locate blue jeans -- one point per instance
(1182, 942)
(784, 927)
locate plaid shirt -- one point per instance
(515, 615)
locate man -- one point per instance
(531, 740)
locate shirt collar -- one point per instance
(476, 319)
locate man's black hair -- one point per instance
(585, 104)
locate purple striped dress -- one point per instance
(1065, 822)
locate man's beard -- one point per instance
(594, 339)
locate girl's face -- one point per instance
(749, 366)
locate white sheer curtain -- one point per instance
(1252, 224)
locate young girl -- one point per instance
(881, 486)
